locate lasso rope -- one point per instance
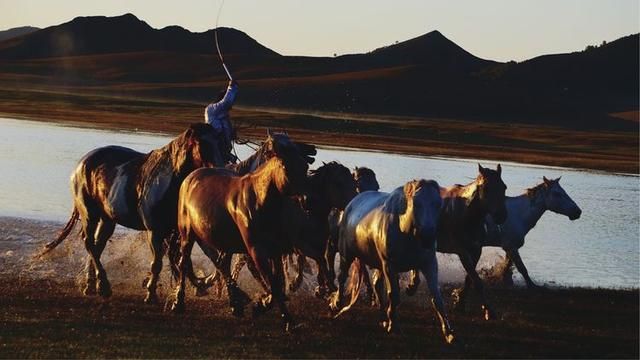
(218, 45)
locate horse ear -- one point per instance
(558, 179)
(499, 170)
(269, 133)
(547, 182)
(480, 169)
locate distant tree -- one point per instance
(589, 48)
(334, 54)
(604, 42)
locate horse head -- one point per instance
(294, 165)
(365, 179)
(195, 148)
(491, 192)
(420, 218)
(557, 200)
(334, 184)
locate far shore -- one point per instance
(610, 151)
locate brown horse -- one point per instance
(117, 185)
(464, 210)
(227, 214)
(304, 221)
(264, 152)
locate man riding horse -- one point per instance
(216, 114)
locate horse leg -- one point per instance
(91, 283)
(186, 245)
(507, 272)
(371, 297)
(515, 255)
(89, 227)
(414, 282)
(469, 262)
(237, 298)
(430, 271)
(156, 245)
(393, 294)
(297, 281)
(104, 231)
(378, 287)
(460, 295)
(274, 278)
(345, 264)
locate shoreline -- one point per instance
(603, 150)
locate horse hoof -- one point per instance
(411, 290)
(237, 311)
(449, 339)
(488, 314)
(177, 308)
(201, 291)
(151, 299)
(89, 290)
(104, 290)
(258, 309)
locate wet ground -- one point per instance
(44, 314)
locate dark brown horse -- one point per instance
(365, 179)
(227, 214)
(117, 185)
(464, 210)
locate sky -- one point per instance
(499, 30)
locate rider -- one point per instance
(216, 114)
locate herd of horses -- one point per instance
(270, 205)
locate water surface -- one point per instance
(601, 249)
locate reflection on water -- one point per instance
(601, 249)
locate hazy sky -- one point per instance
(498, 30)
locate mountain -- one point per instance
(120, 34)
(17, 31)
(427, 76)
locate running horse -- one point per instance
(117, 185)
(394, 232)
(304, 221)
(462, 218)
(524, 212)
(227, 214)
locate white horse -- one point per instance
(524, 211)
(393, 232)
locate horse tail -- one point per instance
(75, 215)
(355, 283)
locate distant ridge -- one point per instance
(17, 31)
(106, 35)
(427, 76)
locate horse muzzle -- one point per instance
(575, 215)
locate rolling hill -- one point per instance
(426, 76)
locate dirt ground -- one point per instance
(43, 314)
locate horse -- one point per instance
(264, 152)
(304, 220)
(393, 232)
(462, 218)
(227, 214)
(117, 185)
(366, 180)
(524, 212)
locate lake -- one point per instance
(601, 249)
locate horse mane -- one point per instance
(266, 175)
(245, 166)
(316, 176)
